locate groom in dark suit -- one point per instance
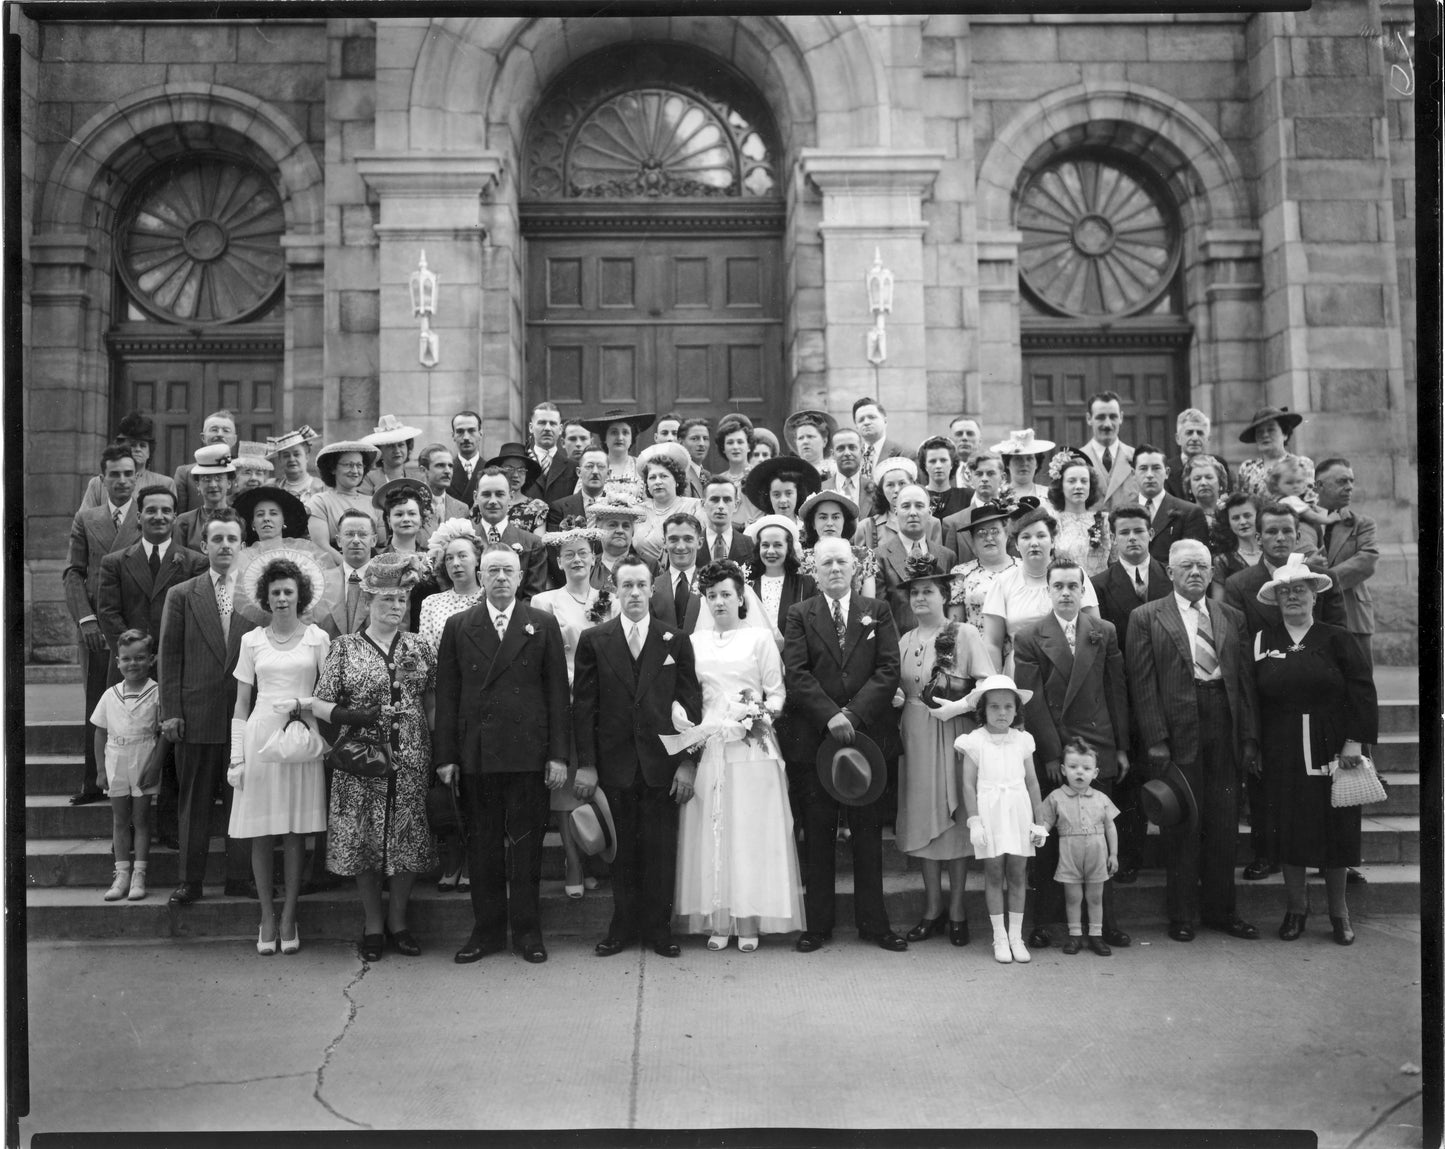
(840, 686)
(1073, 665)
(502, 713)
(199, 643)
(622, 701)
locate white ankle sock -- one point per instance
(998, 930)
(1016, 927)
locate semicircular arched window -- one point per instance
(200, 242)
(694, 131)
(1098, 238)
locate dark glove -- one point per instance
(344, 716)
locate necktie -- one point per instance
(634, 641)
(917, 550)
(849, 491)
(1139, 585)
(154, 559)
(1108, 460)
(494, 535)
(868, 460)
(1070, 631)
(839, 623)
(501, 626)
(1206, 661)
(679, 602)
(116, 516)
(719, 552)
(223, 604)
(353, 596)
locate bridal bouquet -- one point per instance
(755, 718)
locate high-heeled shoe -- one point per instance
(589, 882)
(926, 928)
(1292, 926)
(1344, 935)
(958, 932)
(719, 941)
(264, 948)
(573, 891)
(747, 945)
(448, 882)
(402, 941)
(293, 943)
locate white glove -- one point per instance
(1038, 835)
(235, 773)
(238, 739)
(978, 835)
(680, 720)
(945, 710)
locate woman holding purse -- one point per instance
(377, 688)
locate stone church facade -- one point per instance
(679, 213)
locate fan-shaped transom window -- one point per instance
(693, 131)
(200, 242)
(1099, 238)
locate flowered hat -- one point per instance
(921, 569)
(572, 528)
(214, 459)
(447, 532)
(391, 571)
(1294, 570)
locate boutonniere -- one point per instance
(530, 629)
(517, 547)
(1095, 637)
(866, 620)
(601, 607)
(666, 636)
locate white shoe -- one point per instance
(137, 886)
(573, 891)
(747, 945)
(719, 941)
(119, 886)
(1001, 951)
(1020, 951)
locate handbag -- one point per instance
(442, 813)
(352, 755)
(1360, 786)
(295, 742)
(943, 687)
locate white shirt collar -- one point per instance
(1064, 624)
(628, 624)
(124, 508)
(1186, 607)
(161, 547)
(691, 573)
(229, 578)
(1141, 567)
(500, 528)
(499, 614)
(726, 535)
(842, 602)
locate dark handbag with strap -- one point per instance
(355, 755)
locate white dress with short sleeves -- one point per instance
(1003, 797)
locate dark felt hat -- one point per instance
(1168, 801)
(1287, 420)
(854, 775)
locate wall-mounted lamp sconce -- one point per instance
(880, 302)
(423, 307)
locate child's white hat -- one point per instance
(995, 682)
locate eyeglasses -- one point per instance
(987, 532)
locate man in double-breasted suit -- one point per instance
(1170, 519)
(502, 722)
(839, 688)
(675, 597)
(1190, 666)
(493, 499)
(896, 551)
(621, 702)
(94, 533)
(1074, 667)
(199, 642)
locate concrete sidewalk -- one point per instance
(1218, 1034)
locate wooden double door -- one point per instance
(1151, 384)
(691, 324)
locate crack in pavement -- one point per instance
(352, 1008)
(636, 1046)
(1383, 1117)
(133, 1088)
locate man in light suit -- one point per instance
(721, 540)
(467, 435)
(622, 701)
(840, 687)
(503, 710)
(356, 532)
(94, 533)
(870, 418)
(1170, 519)
(558, 476)
(1074, 667)
(200, 641)
(493, 498)
(1191, 669)
(851, 480)
(1112, 458)
(896, 551)
(675, 598)
(1349, 552)
(696, 435)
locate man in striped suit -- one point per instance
(1189, 664)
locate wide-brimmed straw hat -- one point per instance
(300, 437)
(213, 459)
(1288, 420)
(389, 429)
(593, 828)
(639, 421)
(847, 505)
(996, 682)
(1022, 443)
(370, 453)
(251, 456)
(854, 775)
(760, 478)
(308, 566)
(1292, 571)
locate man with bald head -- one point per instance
(1191, 680)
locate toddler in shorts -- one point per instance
(1088, 844)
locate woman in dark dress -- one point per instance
(1316, 703)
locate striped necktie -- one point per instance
(1206, 660)
(839, 623)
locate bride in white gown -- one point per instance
(737, 867)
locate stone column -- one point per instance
(303, 397)
(999, 399)
(430, 202)
(1225, 370)
(873, 201)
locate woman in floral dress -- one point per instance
(987, 528)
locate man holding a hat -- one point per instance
(839, 735)
(214, 472)
(630, 674)
(1191, 671)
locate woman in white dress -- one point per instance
(281, 661)
(775, 578)
(737, 866)
(1077, 496)
(577, 606)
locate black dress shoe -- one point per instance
(890, 941)
(534, 952)
(1099, 946)
(1073, 945)
(186, 893)
(1292, 926)
(1235, 928)
(403, 943)
(1127, 875)
(1181, 931)
(373, 947)
(667, 949)
(475, 949)
(926, 928)
(241, 888)
(1258, 870)
(86, 797)
(1039, 939)
(958, 933)
(610, 945)
(1344, 935)
(1117, 938)
(808, 942)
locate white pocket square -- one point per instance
(869, 636)
(669, 661)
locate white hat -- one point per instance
(214, 459)
(1294, 570)
(674, 451)
(390, 429)
(1022, 443)
(996, 682)
(757, 526)
(895, 463)
(252, 456)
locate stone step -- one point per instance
(443, 920)
(1403, 794)
(1397, 753)
(1399, 716)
